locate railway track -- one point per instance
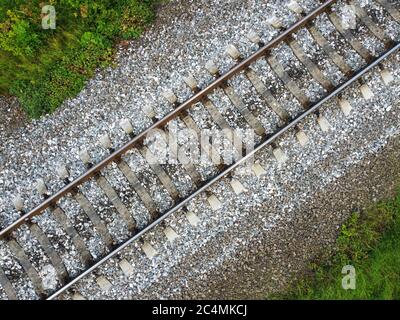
(139, 182)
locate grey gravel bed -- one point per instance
(203, 256)
(84, 226)
(144, 70)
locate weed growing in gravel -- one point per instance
(370, 242)
(43, 67)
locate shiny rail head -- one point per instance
(220, 80)
(257, 167)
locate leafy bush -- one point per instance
(45, 67)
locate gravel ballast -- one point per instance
(286, 218)
(247, 237)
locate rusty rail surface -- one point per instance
(260, 146)
(52, 200)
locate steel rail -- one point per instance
(52, 200)
(268, 141)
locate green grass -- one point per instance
(45, 67)
(370, 242)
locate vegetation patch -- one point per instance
(370, 242)
(43, 67)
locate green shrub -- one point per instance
(45, 67)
